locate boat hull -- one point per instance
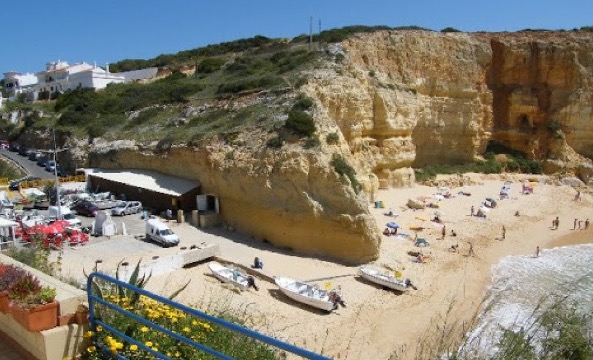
(229, 276)
(305, 293)
(377, 277)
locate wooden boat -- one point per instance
(308, 294)
(228, 275)
(384, 279)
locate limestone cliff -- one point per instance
(396, 100)
(407, 99)
(292, 199)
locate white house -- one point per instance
(59, 76)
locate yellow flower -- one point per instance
(91, 349)
(133, 347)
(155, 348)
(148, 343)
(186, 329)
(99, 328)
(144, 329)
(113, 349)
(89, 334)
(119, 345)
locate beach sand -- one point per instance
(378, 322)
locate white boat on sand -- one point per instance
(232, 276)
(385, 279)
(309, 294)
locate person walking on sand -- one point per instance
(586, 224)
(472, 210)
(577, 197)
(537, 251)
(471, 249)
(444, 231)
(555, 223)
(575, 224)
(504, 232)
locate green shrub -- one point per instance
(332, 138)
(303, 103)
(300, 123)
(312, 142)
(210, 65)
(344, 170)
(449, 29)
(276, 142)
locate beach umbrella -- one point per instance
(438, 213)
(392, 225)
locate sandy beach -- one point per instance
(377, 322)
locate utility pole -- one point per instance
(310, 32)
(54, 152)
(319, 34)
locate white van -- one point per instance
(54, 212)
(159, 232)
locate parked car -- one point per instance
(127, 208)
(42, 160)
(85, 208)
(4, 144)
(50, 165)
(14, 184)
(23, 151)
(33, 155)
(14, 147)
(158, 232)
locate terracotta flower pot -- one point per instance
(38, 318)
(4, 302)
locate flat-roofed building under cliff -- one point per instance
(155, 190)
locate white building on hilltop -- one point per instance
(59, 76)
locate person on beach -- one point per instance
(471, 249)
(586, 224)
(387, 231)
(504, 232)
(555, 223)
(577, 197)
(537, 251)
(575, 224)
(472, 209)
(444, 231)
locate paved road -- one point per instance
(30, 166)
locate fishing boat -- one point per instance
(385, 279)
(309, 294)
(229, 275)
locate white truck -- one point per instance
(159, 232)
(64, 212)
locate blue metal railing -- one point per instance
(94, 322)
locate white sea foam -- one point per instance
(523, 284)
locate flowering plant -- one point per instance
(9, 274)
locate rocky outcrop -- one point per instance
(407, 99)
(292, 199)
(395, 100)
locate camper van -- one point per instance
(65, 213)
(158, 232)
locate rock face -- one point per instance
(396, 100)
(292, 199)
(406, 99)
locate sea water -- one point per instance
(522, 285)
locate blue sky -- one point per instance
(35, 32)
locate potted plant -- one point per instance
(9, 274)
(33, 305)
